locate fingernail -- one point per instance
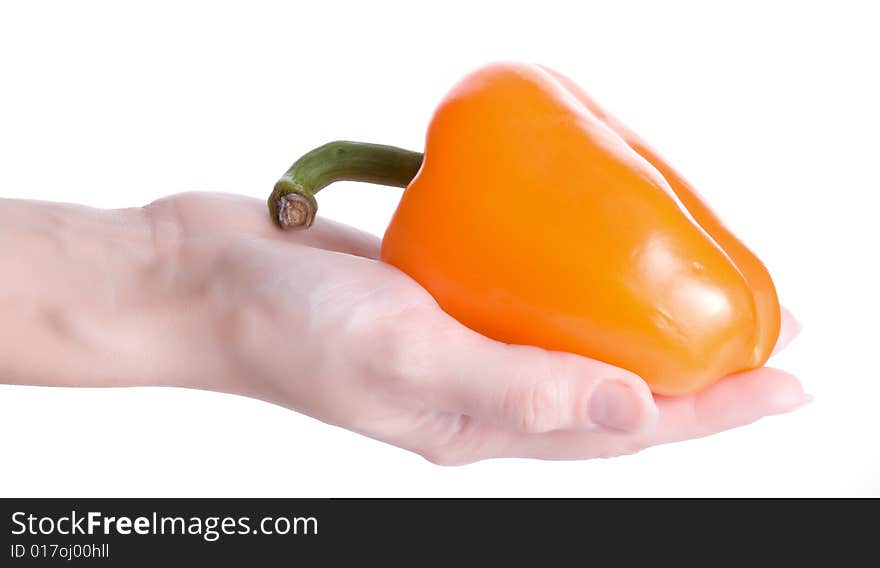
(797, 321)
(786, 406)
(615, 406)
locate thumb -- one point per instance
(533, 390)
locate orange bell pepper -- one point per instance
(536, 218)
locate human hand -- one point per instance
(311, 320)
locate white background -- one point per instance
(770, 108)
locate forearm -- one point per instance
(89, 298)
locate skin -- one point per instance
(202, 291)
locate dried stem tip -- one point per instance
(295, 211)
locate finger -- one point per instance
(789, 328)
(532, 390)
(331, 235)
(734, 401)
(202, 211)
(326, 234)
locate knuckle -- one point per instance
(399, 355)
(618, 451)
(446, 457)
(536, 407)
(460, 443)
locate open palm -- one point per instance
(319, 325)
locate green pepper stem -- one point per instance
(293, 204)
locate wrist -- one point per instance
(90, 298)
